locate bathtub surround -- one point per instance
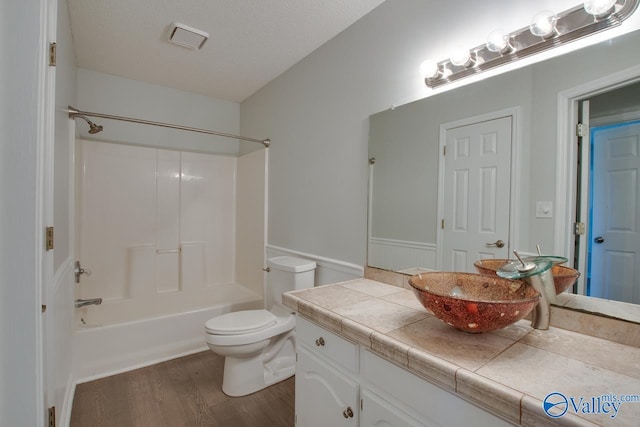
(230, 276)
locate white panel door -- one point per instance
(477, 177)
(615, 270)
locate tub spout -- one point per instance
(84, 302)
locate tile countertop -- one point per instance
(508, 371)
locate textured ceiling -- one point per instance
(251, 41)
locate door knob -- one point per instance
(348, 413)
(79, 270)
(499, 243)
(599, 239)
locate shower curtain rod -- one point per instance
(73, 112)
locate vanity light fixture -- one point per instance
(546, 31)
(461, 57)
(544, 24)
(599, 8)
(498, 41)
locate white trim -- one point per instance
(44, 283)
(566, 153)
(323, 262)
(514, 193)
(67, 403)
(630, 116)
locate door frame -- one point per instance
(514, 193)
(44, 194)
(567, 155)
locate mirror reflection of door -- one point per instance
(477, 176)
(614, 239)
(610, 252)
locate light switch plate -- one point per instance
(544, 209)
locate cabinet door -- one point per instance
(324, 396)
(376, 412)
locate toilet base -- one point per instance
(246, 375)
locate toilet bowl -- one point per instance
(259, 345)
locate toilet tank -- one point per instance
(288, 274)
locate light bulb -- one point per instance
(498, 41)
(429, 69)
(544, 24)
(460, 57)
(599, 8)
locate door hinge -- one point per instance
(52, 54)
(442, 224)
(444, 150)
(49, 238)
(579, 228)
(52, 416)
(361, 404)
(580, 130)
(44, 308)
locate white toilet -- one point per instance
(259, 345)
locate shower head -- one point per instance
(93, 128)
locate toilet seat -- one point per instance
(240, 322)
(283, 322)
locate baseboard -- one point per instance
(328, 270)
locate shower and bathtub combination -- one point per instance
(172, 238)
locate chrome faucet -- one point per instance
(537, 273)
(84, 302)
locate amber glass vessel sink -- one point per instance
(474, 302)
(563, 277)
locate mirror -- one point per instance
(404, 150)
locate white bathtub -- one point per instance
(100, 351)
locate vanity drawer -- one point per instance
(328, 344)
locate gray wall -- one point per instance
(405, 143)
(108, 94)
(20, 241)
(405, 140)
(317, 113)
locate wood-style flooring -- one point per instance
(181, 392)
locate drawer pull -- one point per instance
(320, 342)
(348, 413)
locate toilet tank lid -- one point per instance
(292, 264)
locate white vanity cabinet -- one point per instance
(327, 389)
(339, 383)
(376, 412)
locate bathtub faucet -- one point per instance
(84, 302)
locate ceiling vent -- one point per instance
(186, 36)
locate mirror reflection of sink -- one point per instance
(474, 302)
(563, 277)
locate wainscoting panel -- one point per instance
(397, 255)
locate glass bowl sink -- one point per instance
(489, 266)
(474, 302)
(563, 277)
